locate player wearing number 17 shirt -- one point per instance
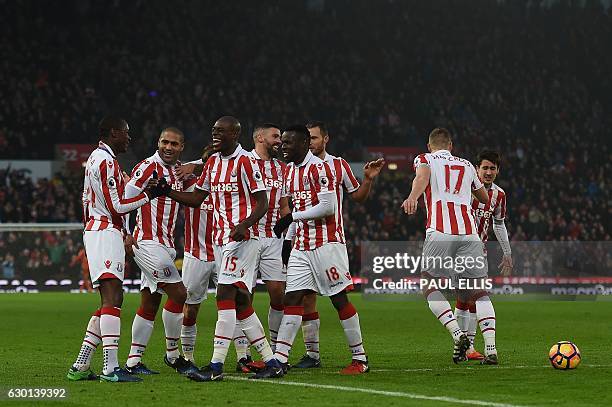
(319, 262)
(447, 183)
(239, 199)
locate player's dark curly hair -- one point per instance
(489, 155)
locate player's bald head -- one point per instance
(231, 122)
(440, 139)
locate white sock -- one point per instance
(486, 320)
(224, 329)
(440, 307)
(241, 342)
(352, 330)
(142, 327)
(92, 339)
(471, 333)
(310, 330)
(275, 316)
(172, 315)
(110, 329)
(292, 320)
(462, 312)
(189, 332)
(254, 331)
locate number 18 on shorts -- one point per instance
(324, 270)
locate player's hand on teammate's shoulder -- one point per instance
(129, 243)
(373, 168)
(184, 170)
(238, 233)
(410, 205)
(126, 177)
(506, 266)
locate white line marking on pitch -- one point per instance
(378, 392)
(474, 367)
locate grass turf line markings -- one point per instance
(378, 392)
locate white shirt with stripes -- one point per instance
(448, 196)
(103, 192)
(157, 219)
(303, 183)
(344, 179)
(199, 224)
(231, 181)
(495, 208)
(273, 173)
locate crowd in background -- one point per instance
(528, 80)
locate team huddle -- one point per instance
(250, 215)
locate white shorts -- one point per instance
(324, 270)
(156, 262)
(105, 254)
(196, 275)
(453, 256)
(270, 267)
(238, 263)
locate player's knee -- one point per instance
(293, 298)
(310, 303)
(190, 311)
(340, 300)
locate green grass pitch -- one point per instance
(409, 351)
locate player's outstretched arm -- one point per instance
(325, 207)
(192, 199)
(370, 171)
(419, 184)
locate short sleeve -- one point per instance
(349, 181)
(321, 178)
(203, 181)
(420, 160)
(141, 175)
(476, 184)
(500, 209)
(252, 175)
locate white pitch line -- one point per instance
(377, 392)
(475, 367)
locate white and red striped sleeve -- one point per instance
(476, 183)
(322, 178)
(113, 194)
(203, 181)
(420, 160)
(141, 174)
(349, 181)
(252, 175)
(499, 212)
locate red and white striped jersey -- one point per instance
(344, 179)
(103, 188)
(496, 208)
(231, 181)
(303, 182)
(155, 220)
(199, 223)
(448, 197)
(273, 172)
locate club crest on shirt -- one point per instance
(110, 164)
(107, 263)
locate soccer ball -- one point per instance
(564, 355)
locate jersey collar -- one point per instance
(232, 155)
(308, 157)
(103, 146)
